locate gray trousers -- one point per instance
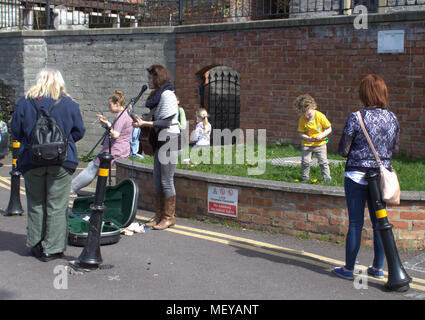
(164, 165)
(47, 190)
(85, 177)
(322, 159)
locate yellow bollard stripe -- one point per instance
(14, 161)
(103, 172)
(381, 213)
(16, 144)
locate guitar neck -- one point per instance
(134, 117)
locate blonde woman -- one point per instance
(47, 186)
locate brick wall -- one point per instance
(278, 60)
(289, 208)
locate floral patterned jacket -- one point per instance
(384, 131)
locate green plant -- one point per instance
(304, 235)
(82, 157)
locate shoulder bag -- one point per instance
(389, 186)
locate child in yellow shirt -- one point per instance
(313, 129)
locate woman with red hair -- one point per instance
(384, 131)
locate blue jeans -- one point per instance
(134, 144)
(356, 196)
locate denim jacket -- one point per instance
(384, 131)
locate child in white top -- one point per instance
(202, 133)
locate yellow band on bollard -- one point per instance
(14, 161)
(381, 213)
(16, 144)
(103, 172)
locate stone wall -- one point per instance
(93, 62)
(325, 57)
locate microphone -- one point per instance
(134, 100)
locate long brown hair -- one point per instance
(373, 91)
(160, 76)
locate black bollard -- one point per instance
(14, 207)
(91, 257)
(398, 279)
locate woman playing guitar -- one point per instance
(164, 110)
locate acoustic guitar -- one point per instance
(146, 138)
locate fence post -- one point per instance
(48, 14)
(180, 12)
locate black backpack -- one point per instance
(48, 145)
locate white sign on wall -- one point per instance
(391, 41)
(223, 201)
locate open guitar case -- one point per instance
(121, 208)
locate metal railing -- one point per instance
(74, 14)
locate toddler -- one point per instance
(313, 129)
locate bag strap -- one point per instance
(35, 106)
(359, 116)
(55, 104)
(50, 109)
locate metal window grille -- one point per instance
(68, 14)
(220, 95)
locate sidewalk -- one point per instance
(296, 161)
(194, 260)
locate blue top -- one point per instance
(66, 113)
(384, 131)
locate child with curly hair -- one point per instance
(313, 129)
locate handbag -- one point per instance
(388, 184)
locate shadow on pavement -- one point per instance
(13, 242)
(6, 295)
(326, 271)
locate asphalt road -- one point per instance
(191, 261)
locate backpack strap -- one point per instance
(50, 109)
(35, 106)
(55, 104)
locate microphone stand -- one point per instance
(132, 103)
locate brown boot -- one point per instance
(158, 203)
(168, 218)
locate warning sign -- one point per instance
(223, 201)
